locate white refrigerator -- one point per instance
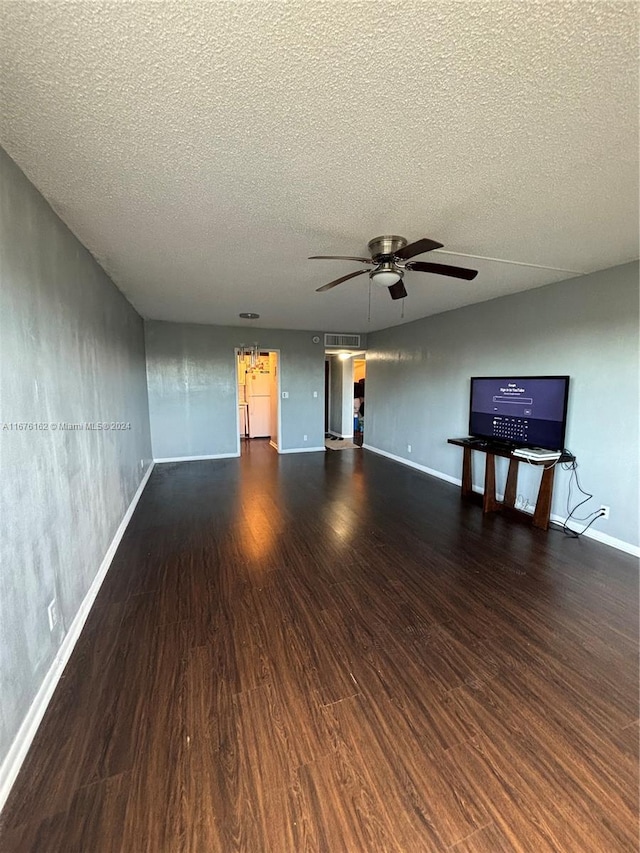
(258, 391)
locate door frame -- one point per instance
(236, 354)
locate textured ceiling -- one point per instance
(201, 150)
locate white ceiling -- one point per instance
(202, 150)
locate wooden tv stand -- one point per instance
(489, 501)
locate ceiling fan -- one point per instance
(390, 257)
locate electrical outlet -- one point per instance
(141, 464)
(285, 395)
(408, 448)
(604, 512)
(52, 613)
(315, 393)
(304, 437)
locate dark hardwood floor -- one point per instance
(329, 652)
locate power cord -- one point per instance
(598, 513)
(544, 467)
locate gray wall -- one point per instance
(71, 350)
(192, 387)
(418, 382)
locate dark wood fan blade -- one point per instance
(339, 281)
(442, 269)
(397, 290)
(417, 248)
(339, 258)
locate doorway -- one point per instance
(344, 396)
(258, 393)
(359, 376)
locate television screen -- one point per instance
(524, 411)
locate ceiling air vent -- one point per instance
(334, 340)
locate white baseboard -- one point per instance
(598, 536)
(235, 455)
(303, 449)
(196, 458)
(612, 541)
(341, 434)
(27, 731)
(455, 480)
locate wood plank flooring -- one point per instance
(330, 652)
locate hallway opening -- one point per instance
(258, 390)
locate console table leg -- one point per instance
(467, 488)
(489, 502)
(543, 504)
(512, 484)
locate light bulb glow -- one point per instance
(385, 277)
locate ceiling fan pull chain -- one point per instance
(369, 315)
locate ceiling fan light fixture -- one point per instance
(386, 275)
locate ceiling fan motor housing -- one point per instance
(387, 245)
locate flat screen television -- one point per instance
(523, 411)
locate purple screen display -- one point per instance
(521, 411)
(542, 399)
